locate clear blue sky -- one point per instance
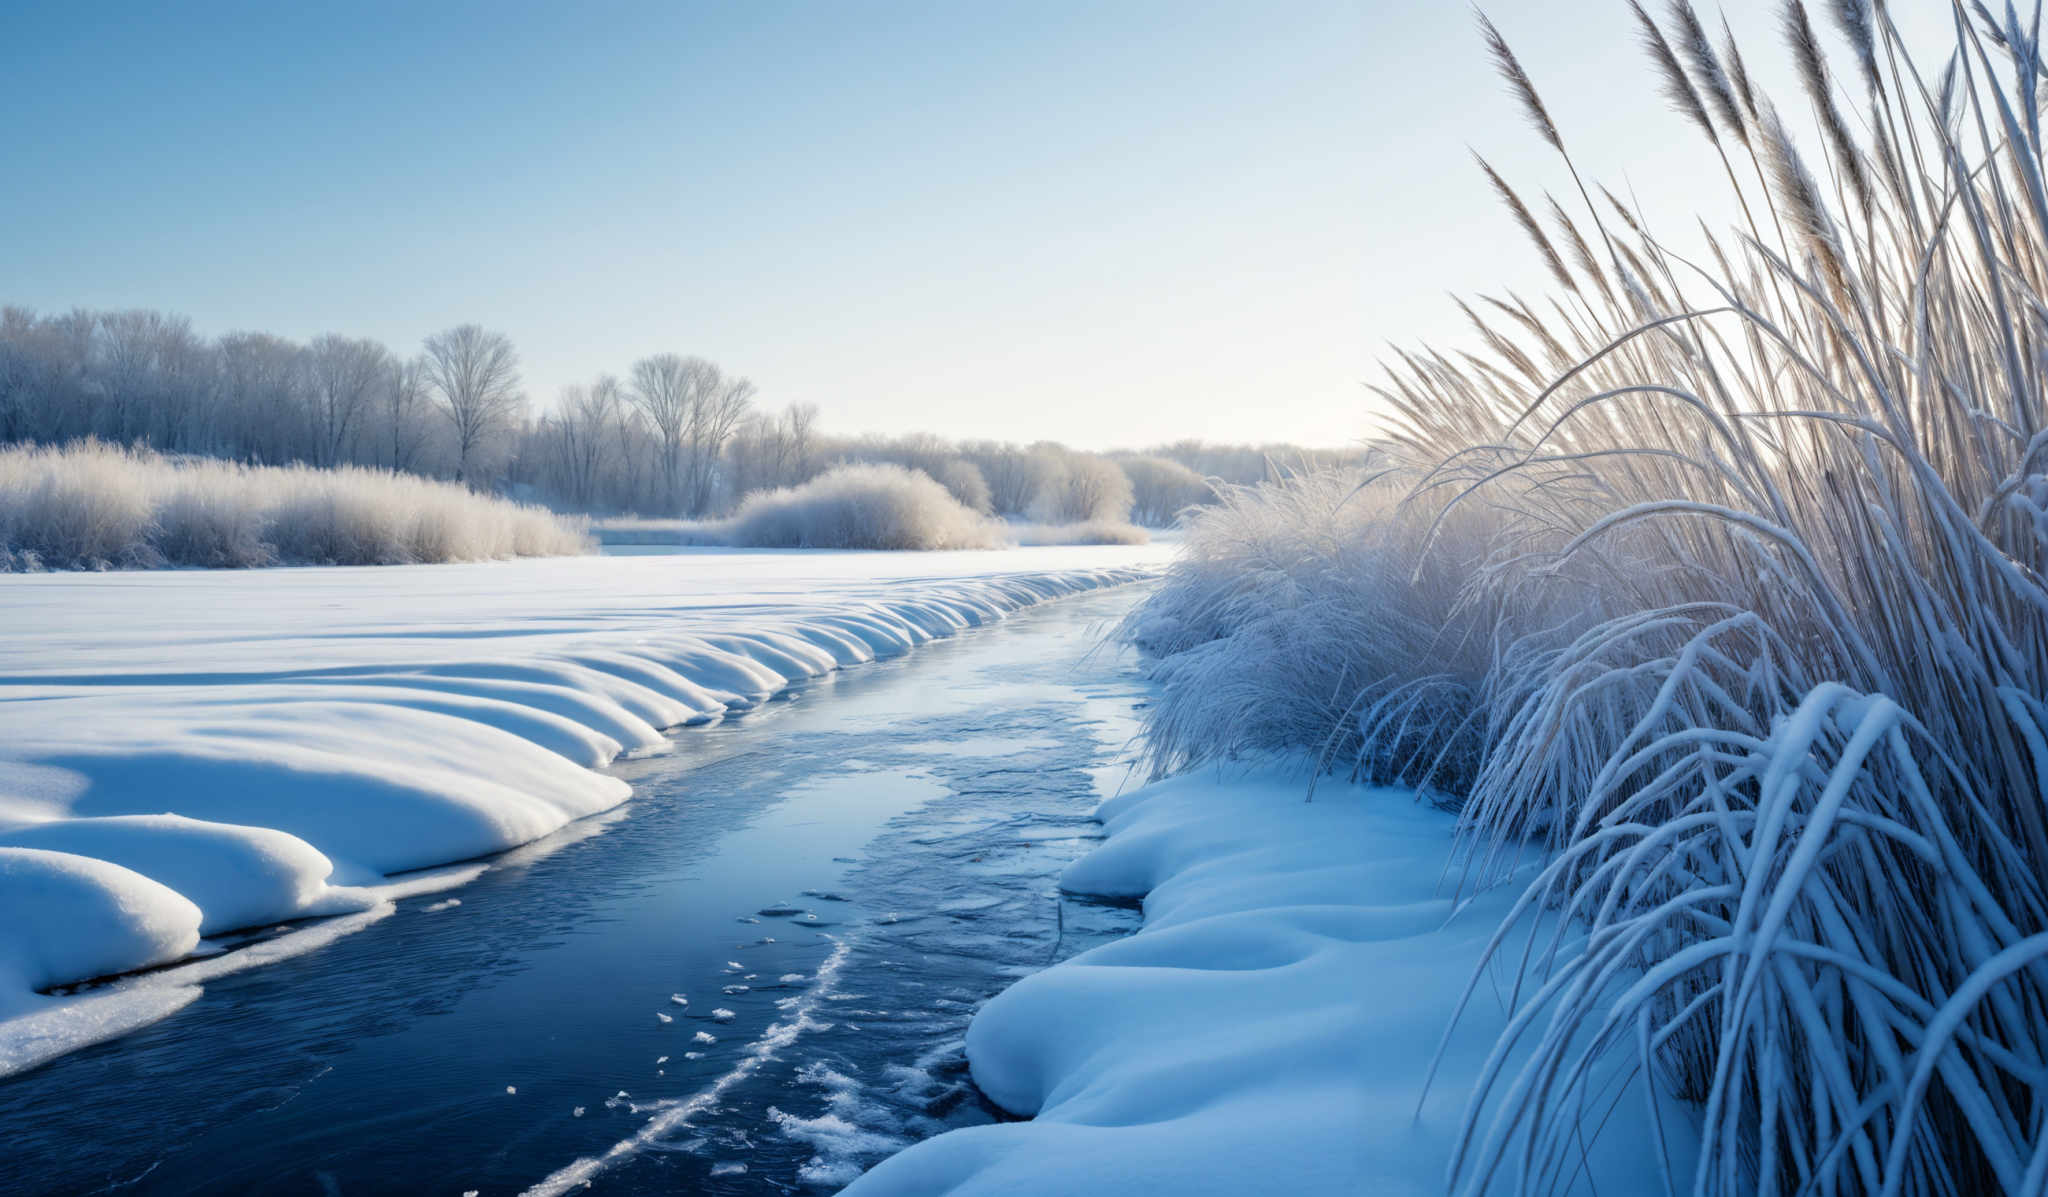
(1104, 223)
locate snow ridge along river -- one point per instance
(188, 755)
(850, 872)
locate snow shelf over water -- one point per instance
(1270, 1027)
(189, 753)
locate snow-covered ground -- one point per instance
(184, 754)
(1271, 1027)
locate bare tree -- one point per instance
(1015, 475)
(800, 427)
(476, 374)
(405, 394)
(21, 374)
(580, 430)
(262, 379)
(695, 409)
(150, 373)
(720, 404)
(662, 389)
(344, 374)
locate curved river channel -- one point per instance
(752, 978)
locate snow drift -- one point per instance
(1271, 1028)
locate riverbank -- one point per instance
(1272, 1026)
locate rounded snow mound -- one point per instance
(72, 917)
(238, 876)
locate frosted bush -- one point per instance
(206, 521)
(1161, 489)
(1294, 619)
(90, 512)
(90, 505)
(855, 507)
(322, 523)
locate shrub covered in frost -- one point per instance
(1161, 489)
(1301, 616)
(855, 507)
(91, 505)
(1738, 566)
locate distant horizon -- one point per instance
(537, 406)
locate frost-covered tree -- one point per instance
(475, 374)
(345, 376)
(663, 386)
(405, 401)
(1015, 474)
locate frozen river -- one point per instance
(832, 883)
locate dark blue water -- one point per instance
(832, 883)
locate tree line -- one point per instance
(676, 435)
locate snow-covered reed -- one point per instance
(90, 505)
(854, 507)
(1760, 627)
(1294, 619)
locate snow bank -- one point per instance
(195, 754)
(73, 916)
(235, 876)
(1269, 1029)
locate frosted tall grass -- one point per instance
(90, 505)
(1758, 599)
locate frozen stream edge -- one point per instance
(143, 815)
(1270, 1027)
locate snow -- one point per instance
(73, 916)
(1270, 1027)
(236, 876)
(188, 753)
